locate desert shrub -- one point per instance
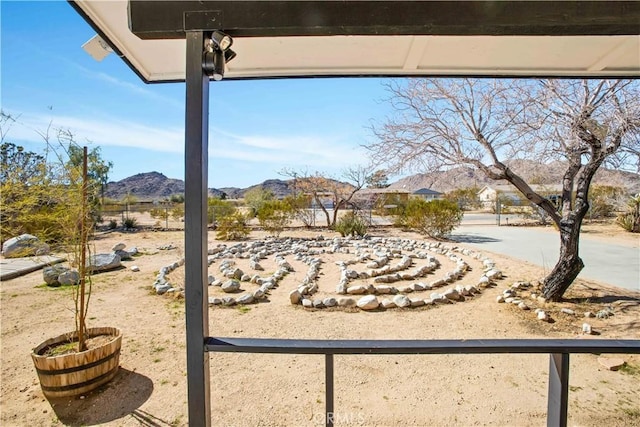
(603, 201)
(113, 224)
(630, 220)
(129, 223)
(176, 198)
(351, 224)
(255, 198)
(435, 218)
(466, 198)
(218, 209)
(177, 212)
(159, 213)
(232, 227)
(274, 215)
(301, 208)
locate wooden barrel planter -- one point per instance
(77, 373)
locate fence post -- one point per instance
(558, 398)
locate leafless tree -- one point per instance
(482, 123)
(320, 188)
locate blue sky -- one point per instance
(304, 124)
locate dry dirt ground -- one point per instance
(288, 390)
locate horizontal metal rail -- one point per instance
(558, 350)
(472, 346)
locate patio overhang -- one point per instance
(378, 38)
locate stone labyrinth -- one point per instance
(370, 273)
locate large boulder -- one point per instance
(51, 273)
(24, 245)
(104, 262)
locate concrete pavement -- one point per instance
(15, 267)
(615, 264)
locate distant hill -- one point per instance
(156, 186)
(145, 186)
(532, 172)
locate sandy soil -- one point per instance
(287, 390)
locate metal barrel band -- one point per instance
(78, 368)
(78, 385)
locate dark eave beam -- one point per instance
(170, 19)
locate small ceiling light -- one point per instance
(221, 40)
(97, 48)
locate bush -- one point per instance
(113, 224)
(630, 220)
(274, 215)
(129, 223)
(436, 218)
(218, 208)
(351, 224)
(232, 227)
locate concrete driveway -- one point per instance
(615, 264)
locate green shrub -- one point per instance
(113, 224)
(603, 200)
(630, 220)
(232, 227)
(218, 208)
(351, 224)
(177, 212)
(435, 218)
(129, 223)
(274, 215)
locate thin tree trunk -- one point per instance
(569, 264)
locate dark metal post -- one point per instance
(328, 380)
(195, 231)
(558, 398)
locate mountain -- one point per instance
(156, 186)
(532, 172)
(145, 186)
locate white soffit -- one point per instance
(265, 57)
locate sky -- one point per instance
(257, 128)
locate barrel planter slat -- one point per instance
(77, 373)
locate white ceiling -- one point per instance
(162, 60)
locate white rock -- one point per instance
(135, 268)
(369, 302)
(586, 329)
(523, 306)
(500, 298)
(387, 303)
(118, 247)
(401, 301)
(542, 316)
(567, 311)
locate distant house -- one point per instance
(508, 193)
(427, 194)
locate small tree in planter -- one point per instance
(67, 365)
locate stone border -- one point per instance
(378, 252)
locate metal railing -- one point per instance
(558, 350)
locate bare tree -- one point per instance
(322, 188)
(441, 123)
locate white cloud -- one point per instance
(305, 151)
(103, 132)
